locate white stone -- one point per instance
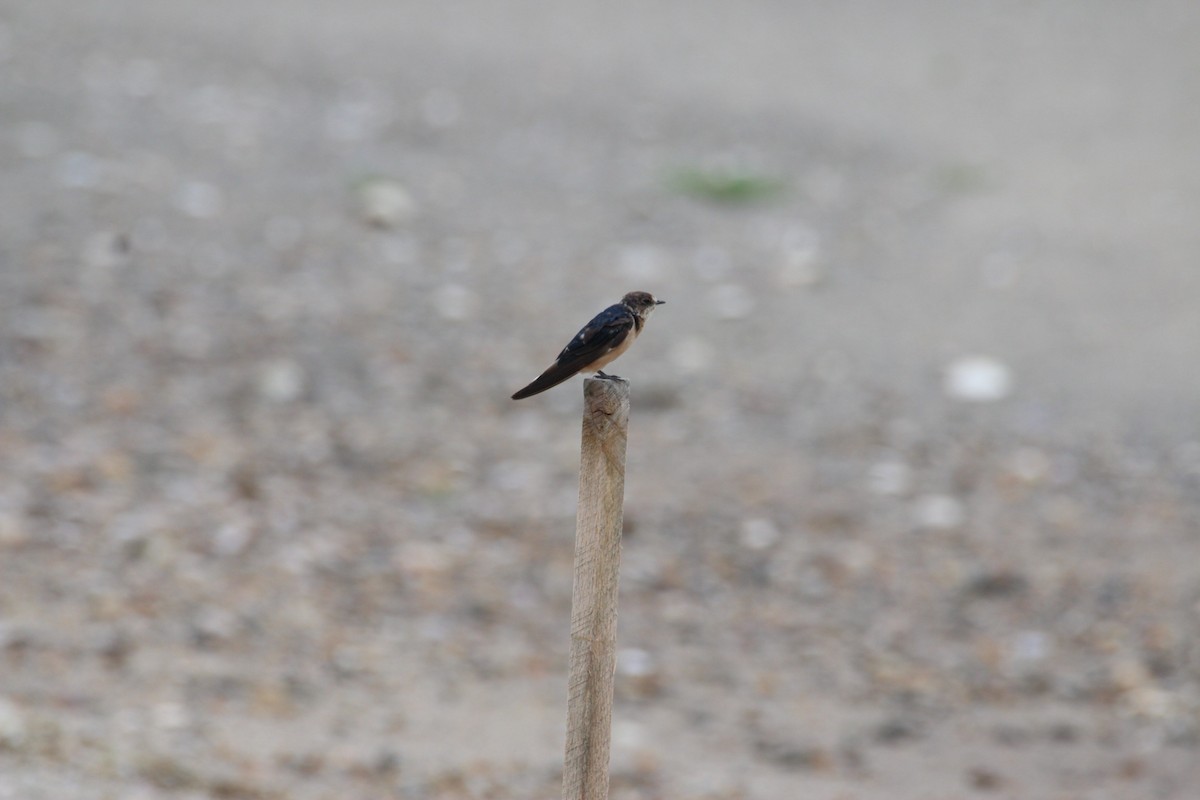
(103, 250)
(232, 538)
(759, 533)
(1030, 465)
(171, 716)
(13, 530)
(281, 381)
(79, 170)
(199, 199)
(978, 379)
(939, 512)
(1030, 647)
(13, 730)
(889, 478)
(385, 203)
(635, 662)
(799, 264)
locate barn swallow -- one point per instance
(607, 336)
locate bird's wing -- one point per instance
(603, 334)
(606, 331)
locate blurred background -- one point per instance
(913, 489)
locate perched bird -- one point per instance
(607, 336)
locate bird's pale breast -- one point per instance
(612, 355)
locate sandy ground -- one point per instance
(913, 500)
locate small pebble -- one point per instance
(385, 203)
(1030, 647)
(1151, 702)
(13, 531)
(802, 273)
(79, 170)
(212, 625)
(13, 729)
(637, 673)
(104, 249)
(1010, 735)
(1063, 732)
(890, 478)
(985, 779)
(628, 735)
(794, 755)
(171, 716)
(759, 533)
(998, 583)
(199, 199)
(898, 728)
(939, 512)
(1030, 465)
(799, 263)
(978, 379)
(231, 539)
(635, 662)
(281, 381)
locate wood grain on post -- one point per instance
(594, 598)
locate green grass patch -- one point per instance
(726, 186)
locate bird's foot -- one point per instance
(605, 376)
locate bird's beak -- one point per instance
(659, 302)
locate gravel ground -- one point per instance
(913, 493)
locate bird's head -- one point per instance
(641, 303)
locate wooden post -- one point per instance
(594, 598)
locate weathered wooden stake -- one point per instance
(594, 598)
